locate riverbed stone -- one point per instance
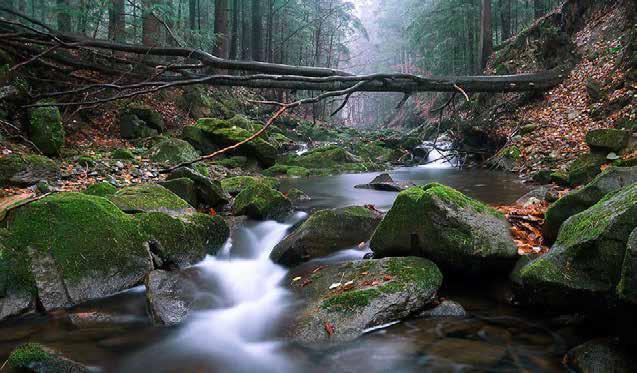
(599, 356)
(440, 223)
(234, 185)
(611, 180)
(170, 296)
(172, 151)
(371, 293)
(446, 308)
(37, 358)
(383, 182)
(183, 187)
(585, 168)
(260, 202)
(297, 195)
(26, 170)
(46, 130)
(607, 140)
(586, 260)
(209, 192)
(149, 198)
(326, 232)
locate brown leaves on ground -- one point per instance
(526, 226)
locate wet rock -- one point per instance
(446, 308)
(585, 168)
(607, 140)
(371, 293)
(149, 198)
(46, 130)
(467, 352)
(209, 192)
(383, 182)
(594, 90)
(627, 287)
(585, 262)
(70, 248)
(184, 188)
(36, 358)
(140, 121)
(25, 170)
(102, 189)
(535, 196)
(172, 151)
(599, 356)
(284, 170)
(170, 296)
(326, 232)
(456, 232)
(261, 202)
(234, 185)
(611, 180)
(296, 195)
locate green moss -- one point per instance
(611, 140)
(350, 300)
(294, 171)
(147, 198)
(13, 164)
(27, 354)
(46, 130)
(585, 168)
(511, 152)
(122, 153)
(202, 168)
(102, 189)
(457, 198)
(233, 162)
(234, 185)
(259, 201)
(173, 151)
(147, 114)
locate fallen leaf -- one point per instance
(329, 328)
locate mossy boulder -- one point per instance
(184, 240)
(237, 161)
(284, 170)
(507, 158)
(611, 180)
(140, 121)
(184, 188)
(458, 233)
(123, 154)
(297, 195)
(627, 287)
(326, 232)
(585, 168)
(585, 263)
(102, 189)
(149, 198)
(260, 202)
(200, 103)
(34, 357)
(234, 185)
(607, 140)
(209, 192)
(78, 243)
(46, 130)
(325, 157)
(25, 170)
(172, 151)
(371, 293)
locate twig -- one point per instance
(466, 96)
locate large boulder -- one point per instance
(46, 130)
(611, 180)
(259, 201)
(599, 356)
(326, 232)
(209, 192)
(36, 358)
(149, 198)
(627, 287)
(383, 182)
(140, 121)
(183, 187)
(25, 170)
(102, 189)
(172, 151)
(458, 233)
(210, 134)
(170, 296)
(234, 185)
(607, 140)
(71, 247)
(585, 168)
(343, 300)
(585, 262)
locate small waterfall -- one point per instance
(438, 155)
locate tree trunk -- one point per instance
(538, 8)
(150, 24)
(505, 18)
(234, 34)
(117, 21)
(257, 30)
(245, 32)
(486, 36)
(222, 37)
(64, 17)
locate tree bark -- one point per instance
(486, 33)
(222, 37)
(117, 21)
(257, 30)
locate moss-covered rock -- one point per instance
(46, 130)
(611, 180)
(371, 293)
(507, 158)
(259, 201)
(325, 157)
(296, 195)
(200, 103)
(184, 188)
(172, 151)
(34, 357)
(627, 287)
(458, 233)
(601, 355)
(25, 170)
(234, 185)
(607, 140)
(83, 241)
(585, 168)
(140, 121)
(102, 189)
(184, 240)
(283, 170)
(151, 117)
(326, 232)
(122, 153)
(209, 192)
(237, 161)
(585, 263)
(149, 198)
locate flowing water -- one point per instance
(243, 306)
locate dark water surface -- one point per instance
(245, 305)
